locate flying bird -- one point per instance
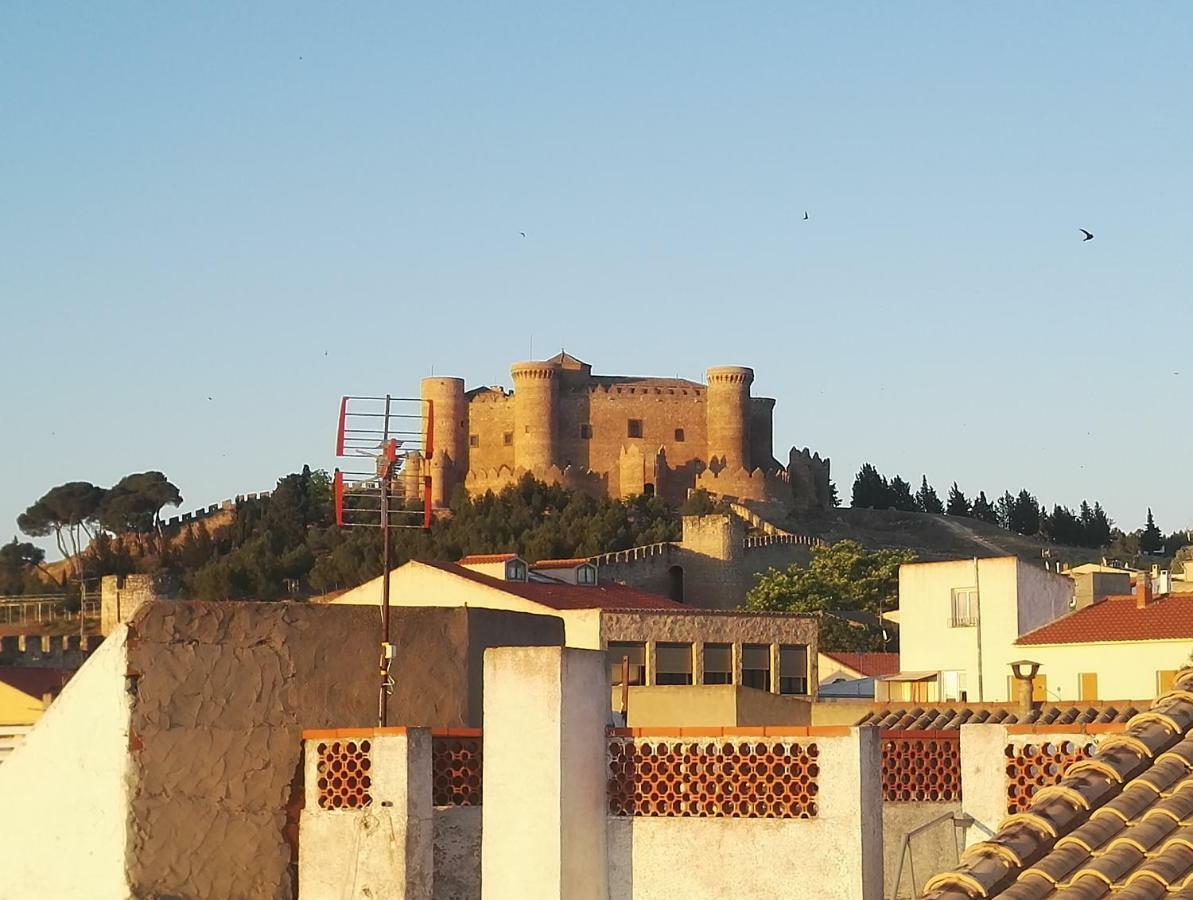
(1088, 235)
(805, 215)
(523, 233)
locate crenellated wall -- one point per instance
(49, 651)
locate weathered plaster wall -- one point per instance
(933, 850)
(697, 857)
(710, 706)
(63, 831)
(457, 852)
(223, 694)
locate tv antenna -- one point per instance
(393, 491)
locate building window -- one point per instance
(793, 669)
(634, 428)
(673, 664)
(474, 440)
(718, 664)
(515, 570)
(586, 574)
(585, 432)
(1165, 681)
(635, 653)
(755, 666)
(964, 608)
(679, 435)
(507, 439)
(1088, 682)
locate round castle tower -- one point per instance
(536, 395)
(729, 413)
(449, 417)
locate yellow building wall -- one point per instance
(1126, 670)
(415, 584)
(18, 708)
(1014, 598)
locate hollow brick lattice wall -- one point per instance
(1034, 766)
(344, 779)
(764, 779)
(456, 767)
(923, 767)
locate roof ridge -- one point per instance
(1118, 763)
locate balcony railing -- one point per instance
(965, 621)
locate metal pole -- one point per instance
(625, 691)
(977, 589)
(383, 697)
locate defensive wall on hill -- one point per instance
(713, 565)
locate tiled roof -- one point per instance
(559, 563)
(867, 663)
(35, 681)
(1119, 824)
(560, 595)
(1168, 617)
(953, 716)
(479, 558)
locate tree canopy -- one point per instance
(841, 578)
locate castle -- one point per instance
(614, 435)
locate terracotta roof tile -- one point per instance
(953, 716)
(560, 595)
(867, 663)
(478, 558)
(1168, 617)
(1091, 836)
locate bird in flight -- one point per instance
(523, 233)
(1088, 235)
(805, 215)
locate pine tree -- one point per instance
(1025, 513)
(1151, 540)
(1096, 531)
(958, 505)
(1003, 508)
(926, 498)
(901, 497)
(982, 509)
(870, 489)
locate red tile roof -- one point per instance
(559, 563)
(559, 595)
(478, 558)
(867, 663)
(1168, 617)
(35, 681)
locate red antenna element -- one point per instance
(395, 435)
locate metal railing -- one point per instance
(963, 621)
(43, 609)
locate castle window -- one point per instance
(507, 439)
(585, 431)
(679, 435)
(634, 428)
(474, 440)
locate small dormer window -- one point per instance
(515, 570)
(586, 574)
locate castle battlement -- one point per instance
(617, 435)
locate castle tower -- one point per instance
(536, 395)
(450, 437)
(762, 411)
(729, 415)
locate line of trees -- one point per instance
(1087, 526)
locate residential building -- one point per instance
(959, 621)
(1122, 647)
(656, 640)
(25, 693)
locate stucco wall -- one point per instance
(668, 857)
(710, 705)
(457, 853)
(64, 828)
(1126, 670)
(933, 850)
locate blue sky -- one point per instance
(200, 201)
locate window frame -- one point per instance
(676, 677)
(614, 653)
(747, 678)
(632, 425)
(728, 673)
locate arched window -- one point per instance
(675, 583)
(586, 574)
(515, 570)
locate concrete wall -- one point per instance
(457, 852)
(933, 850)
(836, 855)
(382, 851)
(64, 832)
(711, 705)
(1014, 597)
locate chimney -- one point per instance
(1025, 671)
(1143, 590)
